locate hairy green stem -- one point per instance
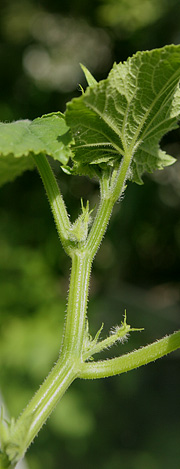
(55, 199)
(77, 304)
(68, 365)
(111, 190)
(132, 360)
(43, 402)
(71, 363)
(71, 357)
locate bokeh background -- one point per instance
(131, 421)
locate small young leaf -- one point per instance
(90, 79)
(127, 114)
(19, 140)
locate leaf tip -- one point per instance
(89, 77)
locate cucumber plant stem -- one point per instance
(67, 367)
(132, 360)
(55, 198)
(71, 363)
(77, 304)
(40, 407)
(111, 190)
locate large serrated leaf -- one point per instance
(19, 140)
(127, 114)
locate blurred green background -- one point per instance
(131, 421)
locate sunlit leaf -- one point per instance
(127, 114)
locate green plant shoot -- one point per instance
(112, 133)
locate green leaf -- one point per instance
(19, 140)
(90, 79)
(127, 114)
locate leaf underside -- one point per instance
(128, 113)
(20, 140)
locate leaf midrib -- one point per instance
(134, 143)
(150, 109)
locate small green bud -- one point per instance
(79, 229)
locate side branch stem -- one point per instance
(132, 360)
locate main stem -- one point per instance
(77, 305)
(70, 361)
(43, 402)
